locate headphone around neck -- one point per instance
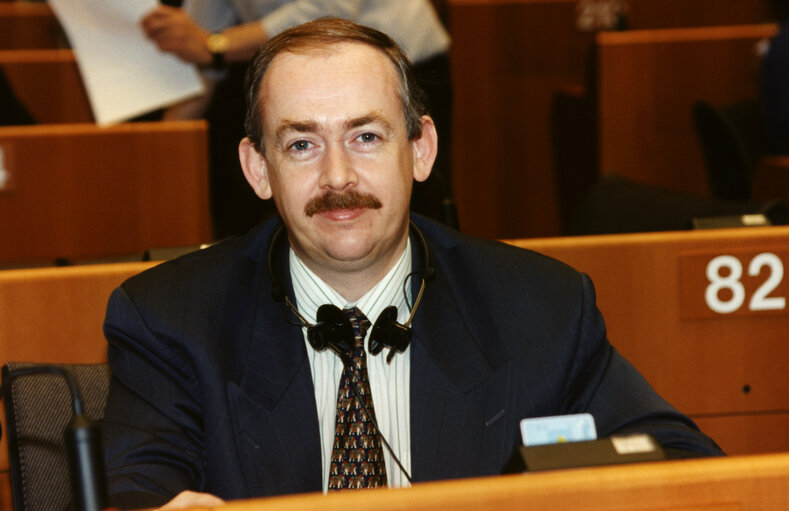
(333, 330)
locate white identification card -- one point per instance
(559, 428)
(633, 444)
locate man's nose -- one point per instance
(337, 171)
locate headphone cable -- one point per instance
(378, 430)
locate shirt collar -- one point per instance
(310, 291)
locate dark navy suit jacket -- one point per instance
(212, 388)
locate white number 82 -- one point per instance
(760, 301)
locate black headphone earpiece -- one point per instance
(332, 327)
(333, 330)
(387, 332)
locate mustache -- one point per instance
(348, 200)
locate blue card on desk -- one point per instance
(559, 428)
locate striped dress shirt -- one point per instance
(389, 383)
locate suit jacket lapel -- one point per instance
(450, 410)
(273, 404)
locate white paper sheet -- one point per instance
(124, 73)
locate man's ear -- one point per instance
(255, 168)
(425, 149)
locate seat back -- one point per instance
(12, 111)
(38, 410)
(618, 205)
(729, 138)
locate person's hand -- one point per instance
(187, 499)
(175, 32)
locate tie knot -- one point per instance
(359, 322)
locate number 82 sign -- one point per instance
(733, 283)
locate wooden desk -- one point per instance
(729, 371)
(752, 483)
(508, 59)
(48, 83)
(83, 192)
(29, 26)
(647, 83)
(55, 315)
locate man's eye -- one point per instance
(368, 137)
(301, 145)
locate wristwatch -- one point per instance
(217, 44)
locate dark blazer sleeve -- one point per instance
(152, 431)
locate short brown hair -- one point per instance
(319, 34)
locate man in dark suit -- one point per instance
(219, 388)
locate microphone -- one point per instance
(82, 441)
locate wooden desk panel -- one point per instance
(55, 315)
(750, 483)
(748, 433)
(48, 83)
(647, 83)
(29, 26)
(84, 192)
(715, 368)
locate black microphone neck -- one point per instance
(82, 441)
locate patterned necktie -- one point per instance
(357, 459)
